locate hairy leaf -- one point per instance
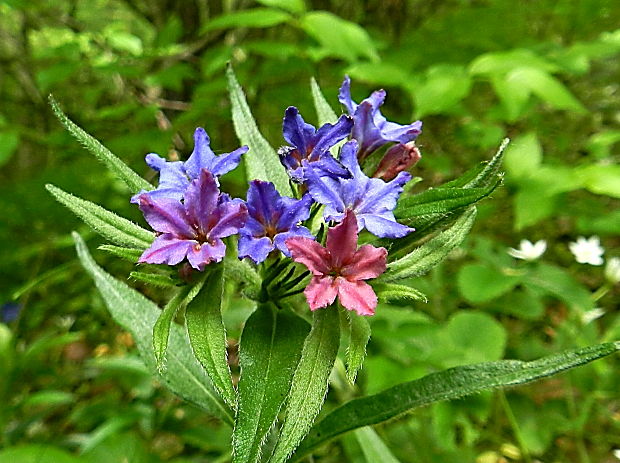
(109, 225)
(261, 160)
(309, 382)
(422, 259)
(184, 376)
(207, 335)
(113, 163)
(359, 335)
(444, 385)
(269, 351)
(324, 111)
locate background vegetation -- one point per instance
(141, 75)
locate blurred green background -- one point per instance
(140, 75)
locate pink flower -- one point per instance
(340, 268)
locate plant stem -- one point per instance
(515, 426)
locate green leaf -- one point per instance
(440, 201)
(8, 145)
(255, 17)
(504, 62)
(184, 376)
(425, 257)
(270, 349)
(37, 453)
(207, 334)
(161, 329)
(113, 163)
(445, 385)
(293, 6)
(488, 174)
(243, 273)
(601, 179)
(481, 283)
(359, 335)
(444, 87)
(309, 382)
(128, 254)
(546, 87)
(523, 156)
(154, 279)
(338, 37)
(389, 292)
(261, 160)
(373, 448)
(324, 111)
(109, 225)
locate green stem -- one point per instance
(599, 293)
(572, 408)
(515, 426)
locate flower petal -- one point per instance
(201, 199)
(165, 215)
(368, 262)
(226, 162)
(231, 216)
(358, 296)
(202, 254)
(256, 249)
(296, 131)
(311, 254)
(342, 240)
(293, 211)
(321, 292)
(330, 134)
(172, 175)
(167, 249)
(202, 157)
(280, 239)
(344, 95)
(263, 200)
(384, 227)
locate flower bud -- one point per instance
(396, 159)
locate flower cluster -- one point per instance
(191, 216)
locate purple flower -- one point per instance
(193, 228)
(371, 199)
(371, 129)
(175, 176)
(398, 158)
(310, 147)
(10, 311)
(272, 220)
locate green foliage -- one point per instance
(309, 383)
(270, 350)
(207, 335)
(359, 335)
(138, 315)
(444, 385)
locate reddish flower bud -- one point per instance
(398, 158)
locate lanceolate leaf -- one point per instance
(207, 335)
(445, 385)
(425, 257)
(389, 292)
(483, 175)
(128, 254)
(359, 335)
(109, 225)
(373, 447)
(261, 160)
(270, 349)
(154, 279)
(113, 163)
(309, 382)
(184, 376)
(161, 330)
(324, 111)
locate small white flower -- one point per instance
(529, 251)
(587, 251)
(616, 453)
(591, 315)
(612, 270)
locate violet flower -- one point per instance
(371, 129)
(193, 228)
(340, 268)
(310, 147)
(175, 176)
(272, 220)
(372, 199)
(397, 159)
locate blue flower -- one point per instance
(175, 176)
(193, 228)
(371, 199)
(371, 129)
(310, 147)
(272, 220)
